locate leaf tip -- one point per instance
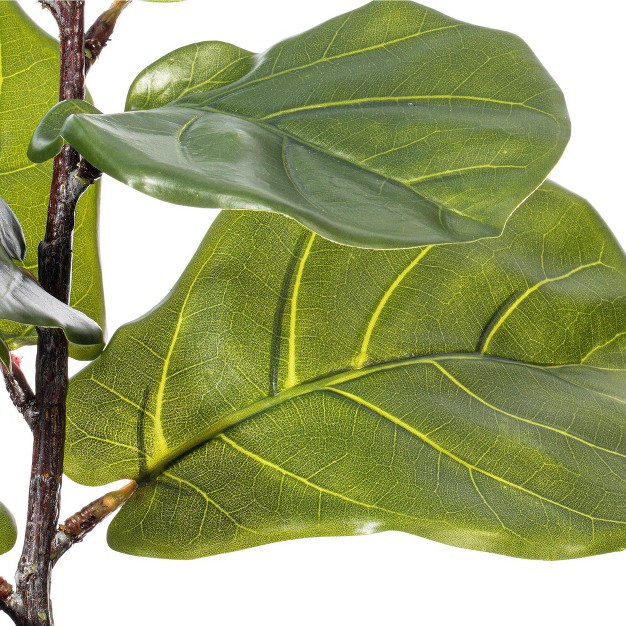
(47, 140)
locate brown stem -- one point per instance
(29, 604)
(55, 263)
(20, 392)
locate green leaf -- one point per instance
(289, 387)
(29, 85)
(46, 142)
(195, 69)
(8, 530)
(25, 302)
(387, 127)
(11, 233)
(5, 355)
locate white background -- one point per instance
(389, 578)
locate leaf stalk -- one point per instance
(76, 527)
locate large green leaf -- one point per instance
(387, 127)
(8, 530)
(471, 393)
(29, 86)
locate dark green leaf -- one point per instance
(8, 530)
(387, 127)
(288, 387)
(29, 85)
(47, 142)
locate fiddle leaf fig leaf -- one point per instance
(8, 530)
(387, 127)
(11, 233)
(46, 141)
(25, 302)
(473, 393)
(29, 85)
(194, 69)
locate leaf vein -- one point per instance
(395, 420)
(308, 483)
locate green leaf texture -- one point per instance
(29, 85)
(387, 127)
(8, 530)
(287, 387)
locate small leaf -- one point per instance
(474, 393)
(428, 130)
(214, 64)
(29, 85)
(8, 530)
(24, 301)
(11, 233)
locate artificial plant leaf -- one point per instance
(24, 301)
(11, 233)
(29, 86)
(290, 387)
(387, 127)
(8, 530)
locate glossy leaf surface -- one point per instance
(8, 530)
(387, 127)
(24, 301)
(11, 233)
(289, 387)
(29, 85)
